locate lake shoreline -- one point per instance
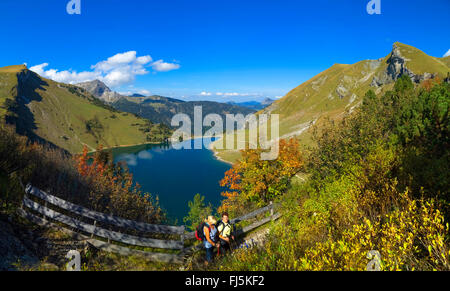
(128, 146)
(216, 155)
(210, 147)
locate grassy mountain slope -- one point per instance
(446, 61)
(65, 115)
(339, 89)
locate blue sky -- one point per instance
(229, 50)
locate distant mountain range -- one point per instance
(68, 116)
(159, 109)
(255, 105)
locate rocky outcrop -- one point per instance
(341, 91)
(447, 79)
(318, 83)
(396, 67)
(100, 90)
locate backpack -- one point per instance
(199, 234)
(220, 222)
(217, 226)
(216, 237)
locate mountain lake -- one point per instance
(175, 176)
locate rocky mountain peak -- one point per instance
(100, 90)
(397, 67)
(96, 87)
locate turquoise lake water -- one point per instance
(175, 175)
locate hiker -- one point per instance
(210, 232)
(224, 229)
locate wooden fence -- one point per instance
(43, 213)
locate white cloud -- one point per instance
(161, 66)
(228, 94)
(126, 93)
(64, 76)
(121, 60)
(145, 92)
(120, 69)
(141, 92)
(447, 54)
(225, 96)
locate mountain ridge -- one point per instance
(255, 105)
(342, 86)
(100, 90)
(67, 116)
(339, 90)
(159, 109)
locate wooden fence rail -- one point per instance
(101, 232)
(97, 216)
(104, 246)
(127, 239)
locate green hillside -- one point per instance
(446, 60)
(68, 116)
(341, 88)
(375, 184)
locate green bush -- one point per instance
(198, 211)
(379, 180)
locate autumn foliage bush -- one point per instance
(336, 227)
(378, 181)
(408, 239)
(255, 182)
(112, 189)
(92, 181)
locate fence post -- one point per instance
(182, 237)
(24, 195)
(95, 225)
(271, 210)
(43, 215)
